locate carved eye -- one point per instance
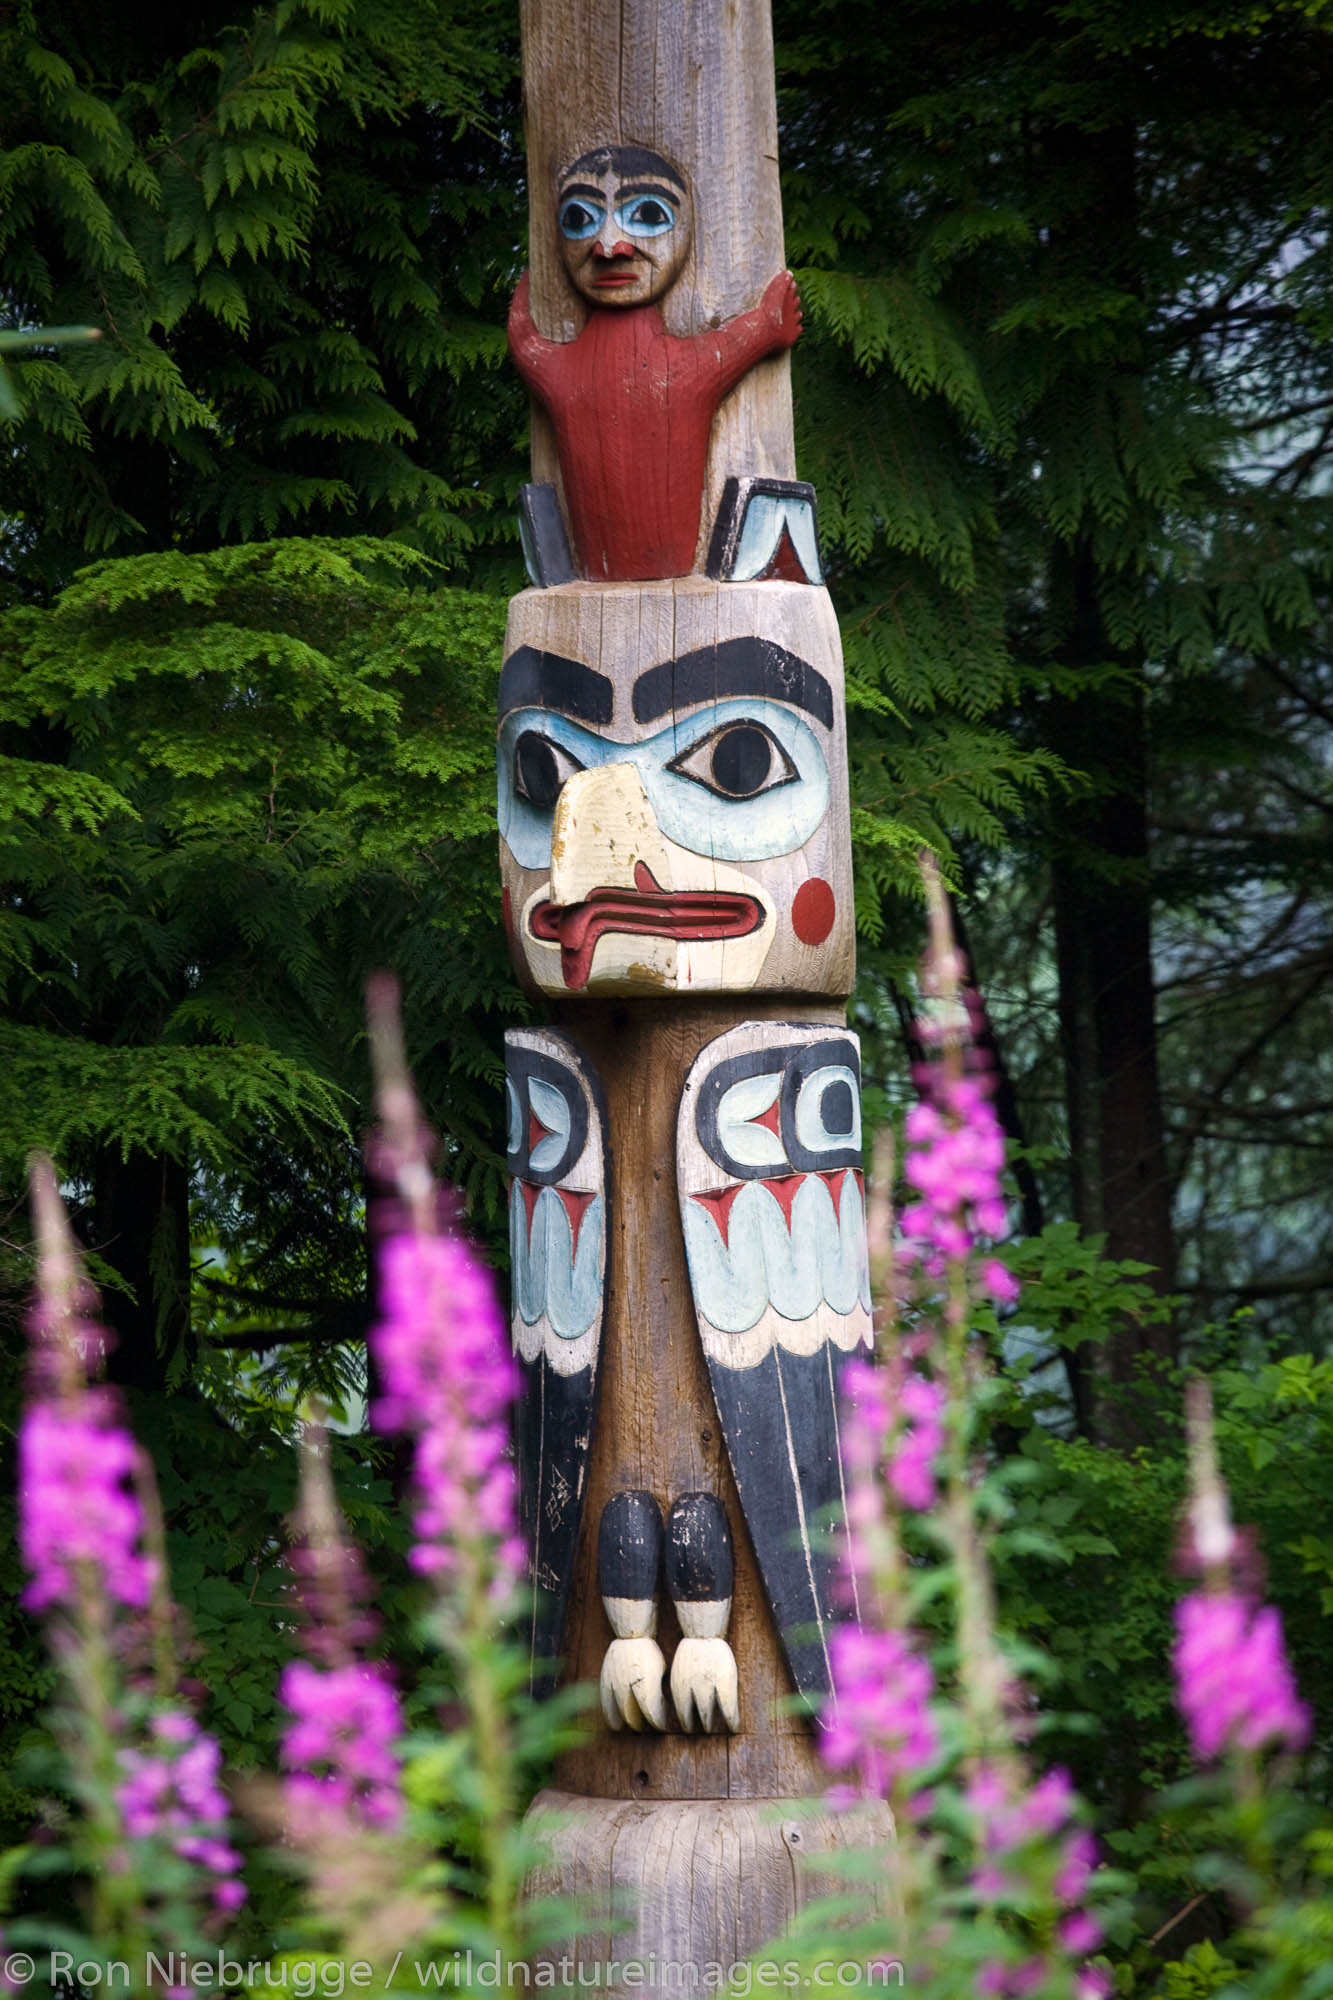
(580, 219)
(738, 761)
(646, 215)
(540, 768)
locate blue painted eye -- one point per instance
(580, 219)
(540, 768)
(738, 761)
(646, 215)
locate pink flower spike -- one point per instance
(1002, 1285)
(1234, 1685)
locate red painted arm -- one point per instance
(772, 325)
(532, 353)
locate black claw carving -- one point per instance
(699, 1563)
(629, 1546)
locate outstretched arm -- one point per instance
(532, 353)
(771, 326)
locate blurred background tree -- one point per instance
(1069, 405)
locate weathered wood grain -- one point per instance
(676, 1887)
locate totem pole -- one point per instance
(686, 1212)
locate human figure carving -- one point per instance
(633, 405)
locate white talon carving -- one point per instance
(704, 1685)
(631, 1686)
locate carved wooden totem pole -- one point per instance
(687, 1216)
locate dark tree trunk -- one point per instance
(1099, 854)
(1103, 942)
(140, 1226)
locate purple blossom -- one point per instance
(443, 1356)
(78, 1513)
(955, 1161)
(172, 1791)
(1024, 1836)
(1011, 1982)
(1234, 1685)
(879, 1727)
(911, 1468)
(339, 1747)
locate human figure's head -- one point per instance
(624, 222)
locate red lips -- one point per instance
(647, 910)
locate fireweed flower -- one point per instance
(338, 1750)
(442, 1351)
(919, 1442)
(955, 1163)
(880, 1730)
(448, 1376)
(78, 1512)
(87, 1508)
(1028, 1848)
(1234, 1686)
(877, 1726)
(171, 1791)
(81, 1523)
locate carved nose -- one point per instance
(621, 249)
(603, 828)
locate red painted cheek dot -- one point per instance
(813, 910)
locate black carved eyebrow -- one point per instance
(625, 160)
(582, 187)
(734, 666)
(531, 679)
(673, 195)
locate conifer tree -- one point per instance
(1071, 266)
(284, 220)
(239, 772)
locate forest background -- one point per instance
(1066, 392)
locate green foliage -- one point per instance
(1064, 394)
(295, 316)
(250, 776)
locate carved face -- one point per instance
(623, 216)
(672, 791)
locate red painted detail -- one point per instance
(536, 1130)
(718, 1203)
(644, 911)
(833, 1178)
(529, 1194)
(860, 1181)
(784, 1192)
(771, 1120)
(813, 910)
(576, 1207)
(632, 407)
(786, 566)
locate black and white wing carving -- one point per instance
(768, 1157)
(557, 1240)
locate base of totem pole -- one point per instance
(679, 1891)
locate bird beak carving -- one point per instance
(626, 909)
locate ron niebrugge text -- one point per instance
(328, 1978)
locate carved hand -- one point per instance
(782, 304)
